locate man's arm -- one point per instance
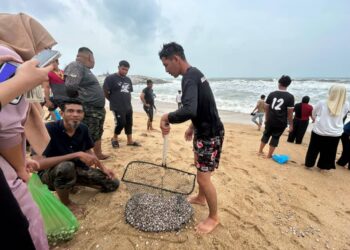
(142, 97)
(106, 94)
(46, 86)
(73, 76)
(290, 118)
(267, 112)
(49, 162)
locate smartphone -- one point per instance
(7, 70)
(47, 56)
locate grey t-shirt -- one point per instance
(82, 82)
(119, 89)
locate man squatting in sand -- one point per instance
(278, 110)
(68, 158)
(206, 128)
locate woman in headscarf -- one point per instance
(328, 128)
(22, 37)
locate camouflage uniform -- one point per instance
(65, 175)
(94, 118)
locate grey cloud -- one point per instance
(39, 8)
(137, 19)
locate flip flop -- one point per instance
(134, 144)
(115, 144)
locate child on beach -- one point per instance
(278, 110)
(206, 128)
(260, 111)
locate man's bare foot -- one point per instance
(76, 210)
(197, 200)
(268, 156)
(262, 154)
(102, 157)
(207, 226)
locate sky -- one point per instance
(223, 38)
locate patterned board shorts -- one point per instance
(208, 152)
(94, 118)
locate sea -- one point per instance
(240, 95)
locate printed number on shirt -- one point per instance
(277, 103)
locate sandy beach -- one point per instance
(262, 204)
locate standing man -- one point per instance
(81, 83)
(117, 88)
(260, 111)
(279, 112)
(178, 99)
(68, 158)
(147, 98)
(206, 128)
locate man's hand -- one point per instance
(107, 171)
(189, 133)
(164, 124)
(32, 165)
(49, 104)
(86, 158)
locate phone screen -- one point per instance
(46, 56)
(7, 70)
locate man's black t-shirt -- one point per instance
(279, 101)
(198, 105)
(61, 143)
(119, 88)
(149, 96)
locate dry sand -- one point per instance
(262, 205)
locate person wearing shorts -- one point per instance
(147, 98)
(206, 129)
(117, 89)
(279, 111)
(260, 111)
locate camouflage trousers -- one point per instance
(65, 175)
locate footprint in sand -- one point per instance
(309, 214)
(302, 187)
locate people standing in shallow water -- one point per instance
(147, 97)
(178, 99)
(303, 111)
(278, 112)
(327, 129)
(206, 128)
(260, 111)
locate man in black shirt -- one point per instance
(68, 158)
(117, 88)
(147, 98)
(198, 106)
(278, 112)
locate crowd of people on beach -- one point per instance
(67, 152)
(328, 117)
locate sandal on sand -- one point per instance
(115, 144)
(134, 144)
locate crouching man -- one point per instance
(69, 160)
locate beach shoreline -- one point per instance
(262, 204)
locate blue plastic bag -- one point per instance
(281, 159)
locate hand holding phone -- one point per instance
(46, 57)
